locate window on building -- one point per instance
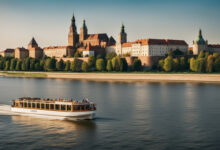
(63, 107)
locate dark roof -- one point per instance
(9, 50)
(101, 37)
(33, 42)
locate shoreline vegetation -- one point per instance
(120, 77)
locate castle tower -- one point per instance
(122, 35)
(32, 44)
(73, 36)
(199, 44)
(83, 32)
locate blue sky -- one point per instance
(49, 20)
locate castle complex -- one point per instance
(100, 43)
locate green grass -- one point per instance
(25, 74)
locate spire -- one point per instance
(84, 24)
(73, 20)
(33, 42)
(122, 28)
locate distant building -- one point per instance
(34, 50)
(58, 51)
(7, 53)
(21, 53)
(201, 45)
(146, 47)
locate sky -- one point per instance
(49, 20)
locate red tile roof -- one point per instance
(155, 42)
(100, 36)
(55, 47)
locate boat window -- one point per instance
(68, 107)
(63, 107)
(29, 104)
(82, 107)
(51, 106)
(33, 105)
(38, 105)
(25, 104)
(21, 104)
(57, 107)
(76, 107)
(47, 106)
(42, 106)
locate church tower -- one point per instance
(83, 32)
(199, 44)
(73, 36)
(32, 44)
(122, 35)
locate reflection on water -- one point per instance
(55, 126)
(129, 116)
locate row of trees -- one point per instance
(204, 62)
(110, 62)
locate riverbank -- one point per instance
(120, 77)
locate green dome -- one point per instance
(200, 39)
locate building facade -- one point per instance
(21, 53)
(34, 50)
(58, 51)
(7, 53)
(201, 45)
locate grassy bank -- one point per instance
(24, 74)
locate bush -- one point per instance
(168, 64)
(109, 65)
(75, 65)
(85, 67)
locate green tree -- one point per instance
(109, 65)
(91, 62)
(85, 67)
(13, 64)
(190, 52)
(136, 65)
(1, 64)
(32, 64)
(18, 65)
(192, 64)
(183, 64)
(7, 65)
(161, 64)
(217, 64)
(100, 64)
(116, 64)
(176, 64)
(170, 53)
(60, 65)
(23, 65)
(75, 65)
(78, 54)
(209, 65)
(177, 52)
(50, 64)
(201, 54)
(27, 64)
(67, 66)
(109, 56)
(168, 64)
(200, 65)
(37, 66)
(123, 64)
(42, 64)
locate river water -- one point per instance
(169, 116)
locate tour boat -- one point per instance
(54, 108)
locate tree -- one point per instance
(116, 63)
(50, 64)
(18, 65)
(37, 66)
(217, 64)
(75, 65)
(160, 64)
(170, 53)
(67, 66)
(192, 64)
(200, 65)
(123, 65)
(109, 65)
(1, 64)
(109, 56)
(32, 64)
(177, 52)
(23, 65)
(176, 64)
(91, 62)
(201, 54)
(136, 65)
(42, 64)
(85, 67)
(168, 64)
(209, 65)
(183, 65)
(27, 64)
(100, 64)
(190, 52)
(60, 65)
(13, 64)
(7, 65)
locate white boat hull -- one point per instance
(54, 114)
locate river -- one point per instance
(170, 116)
